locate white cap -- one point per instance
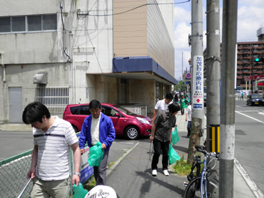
(101, 192)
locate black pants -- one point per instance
(182, 111)
(160, 148)
(189, 126)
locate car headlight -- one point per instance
(142, 120)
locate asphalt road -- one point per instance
(249, 141)
(13, 143)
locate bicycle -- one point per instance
(202, 185)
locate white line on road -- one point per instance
(250, 117)
(252, 185)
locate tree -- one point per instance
(180, 87)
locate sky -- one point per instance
(250, 18)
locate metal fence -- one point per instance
(13, 175)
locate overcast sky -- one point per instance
(250, 18)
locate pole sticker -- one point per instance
(198, 83)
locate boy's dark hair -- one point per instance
(94, 104)
(169, 96)
(174, 108)
(34, 112)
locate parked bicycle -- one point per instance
(202, 185)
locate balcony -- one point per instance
(248, 47)
(239, 67)
(239, 77)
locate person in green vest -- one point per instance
(182, 104)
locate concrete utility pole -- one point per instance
(197, 76)
(213, 82)
(227, 126)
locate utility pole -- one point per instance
(213, 83)
(197, 76)
(227, 121)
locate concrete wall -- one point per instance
(143, 91)
(16, 76)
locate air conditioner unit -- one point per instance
(41, 78)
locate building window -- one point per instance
(49, 22)
(18, 24)
(55, 98)
(5, 24)
(28, 23)
(34, 23)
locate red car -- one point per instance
(126, 123)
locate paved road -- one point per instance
(249, 140)
(13, 143)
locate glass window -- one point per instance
(84, 110)
(74, 110)
(18, 24)
(49, 22)
(34, 23)
(5, 24)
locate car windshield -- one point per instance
(256, 96)
(124, 110)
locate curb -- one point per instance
(108, 171)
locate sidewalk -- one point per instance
(131, 175)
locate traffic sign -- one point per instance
(188, 75)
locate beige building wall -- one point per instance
(142, 32)
(130, 30)
(102, 88)
(143, 91)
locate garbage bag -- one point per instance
(175, 136)
(96, 154)
(79, 191)
(173, 155)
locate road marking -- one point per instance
(251, 184)
(250, 117)
(261, 113)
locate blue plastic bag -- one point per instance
(96, 154)
(173, 155)
(175, 136)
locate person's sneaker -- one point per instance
(166, 173)
(154, 172)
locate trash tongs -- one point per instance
(24, 188)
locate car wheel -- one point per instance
(75, 129)
(132, 133)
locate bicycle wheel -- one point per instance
(193, 188)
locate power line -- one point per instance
(87, 14)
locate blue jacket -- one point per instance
(106, 131)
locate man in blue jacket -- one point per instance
(98, 127)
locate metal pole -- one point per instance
(227, 106)
(213, 82)
(197, 75)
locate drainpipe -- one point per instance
(2, 63)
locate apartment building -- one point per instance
(247, 52)
(64, 51)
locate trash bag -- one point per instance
(79, 191)
(173, 155)
(96, 154)
(175, 136)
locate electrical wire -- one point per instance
(63, 28)
(87, 14)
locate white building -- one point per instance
(63, 51)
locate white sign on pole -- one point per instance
(198, 83)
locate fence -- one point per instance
(13, 175)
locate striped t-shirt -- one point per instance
(54, 150)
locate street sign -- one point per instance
(188, 75)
